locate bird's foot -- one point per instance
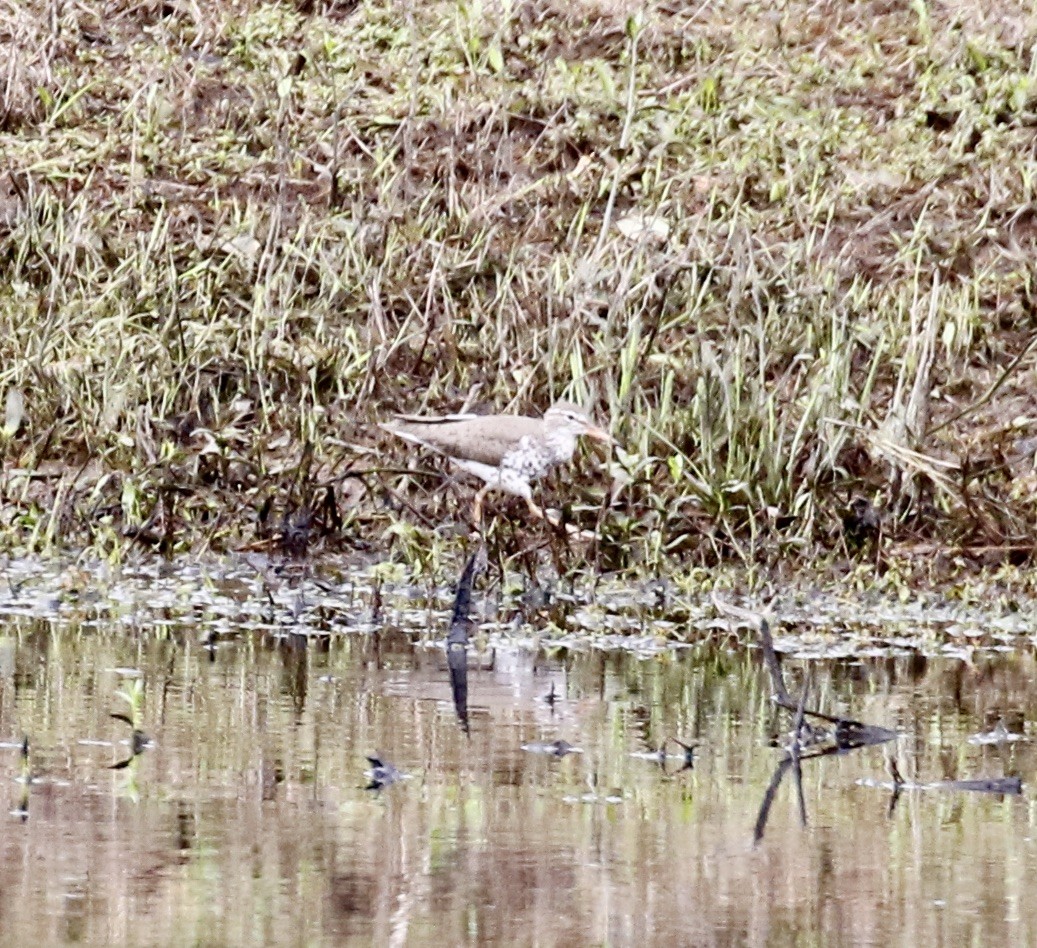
(570, 528)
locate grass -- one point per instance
(787, 253)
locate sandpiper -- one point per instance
(508, 452)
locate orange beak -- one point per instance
(600, 434)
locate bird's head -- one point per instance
(572, 420)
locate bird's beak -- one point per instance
(600, 434)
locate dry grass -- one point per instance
(788, 252)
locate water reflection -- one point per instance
(249, 821)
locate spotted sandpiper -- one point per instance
(507, 452)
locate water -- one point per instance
(249, 821)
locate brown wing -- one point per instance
(482, 438)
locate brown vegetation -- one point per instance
(786, 251)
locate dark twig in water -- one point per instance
(773, 664)
(457, 660)
(1001, 786)
(22, 809)
(383, 773)
(794, 749)
(797, 721)
(689, 752)
(770, 657)
(768, 799)
(898, 785)
(846, 734)
(139, 741)
(376, 603)
(460, 623)
(457, 637)
(1010, 786)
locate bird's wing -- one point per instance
(436, 419)
(479, 438)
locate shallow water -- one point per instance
(248, 821)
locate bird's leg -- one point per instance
(542, 514)
(539, 513)
(477, 506)
(570, 528)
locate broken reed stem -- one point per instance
(781, 695)
(797, 723)
(770, 657)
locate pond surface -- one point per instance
(249, 819)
